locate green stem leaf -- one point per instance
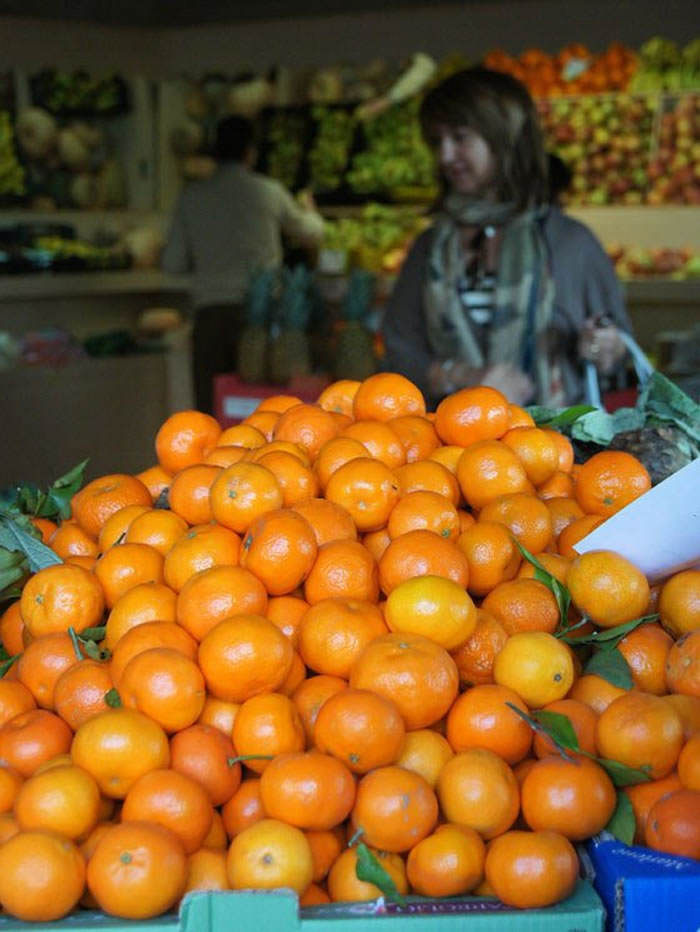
(113, 699)
(369, 870)
(611, 666)
(554, 726)
(558, 589)
(622, 822)
(5, 666)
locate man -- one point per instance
(225, 229)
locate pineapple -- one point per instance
(289, 350)
(252, 352)
(354, 349)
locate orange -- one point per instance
(138, 870)
(565, 448)
(146, 602)
(280, 549)
(41, 664)
(243, 435)
(188, 495)
(639, 730)
(537, 666)
(646, 650)
(225, 456)
(203, 753)
(519, 417)
(15, 698)
(10, 782)
(536, 449)
(679, 603)
(165, 685)
(145, 637)
(434, 607)
(270, 854)
(80, 691)
(559, 485)
(244, 808)
(376, 542)
(531, 870)
(480, 718)
(421, 553)
(688, 709)
(156, 479)
(683, 665)
(128, 565)
(102, 497)
(202, 547)
(159, 528)
(427, 476)
(242, 493)
(216, 594)
(70, 540)
(328, 521)
(45, 528)
(554, 563)
(595, 692)
(526, 517)
(267, 725)
(610, 480)
(244, 656)
(219, 714)
(523, 605)
(361, 728)
(447, 456)
(307, 425)
(574, 532)
(488, 469)
(333, 632)
(575, 798)
(449, 862)
(279, 446)
(395, 808)
(415, 673)
(310, 695)
(644, 795)
(42, 876)
(381, 442)
(113, 531)
(344, 886)
(32, 738)
(424, 509)
(296, 479)
(335, 453)
(689, 764)
(326, 846)
(216, 837)
(117, 747)
(476, 656)
(60, 597)
(173, 800)
(308, 789)
(673, 824)
(387, 395)
(607, 587)
(11, 631)
(424, 752)
(64, 800)
(339, 396)
(185, 438)
(287, 611)
(343, 569)
(206, 870)
(417, 435)
(472, 414)
(367, 489)
(278, 403)
(492, 556)
(583, 721)
(478, 789)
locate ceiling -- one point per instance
(160, 13)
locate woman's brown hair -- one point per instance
(499, 108)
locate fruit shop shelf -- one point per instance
(67, 285)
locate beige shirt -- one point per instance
(229, 226)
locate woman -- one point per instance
(503, 289)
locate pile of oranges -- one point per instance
(314, 634)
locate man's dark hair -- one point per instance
(499, 108)
(234, 137)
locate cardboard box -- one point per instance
(644, 890)
(278, 912)
(235, 399)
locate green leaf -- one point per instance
(93, 634)
(569, 416)
(622, 823)
(558, 727)
(627, 419)
(558, 589)
(541, 415)
(595, 427)
(370, 870)
(77, 647)
(13, 567)
(6, 664)
(609, 638)
(621, 774)
(611, 666)
(62, 491)
(542, 729)
(113, 699)
(12, 537)
(95, 652)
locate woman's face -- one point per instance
(465, 159)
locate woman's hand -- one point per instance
(515, 384)
(451, 375)
(602, 346)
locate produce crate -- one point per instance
(644, 890)
(278, 912)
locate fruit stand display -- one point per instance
(347, 648)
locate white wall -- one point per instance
(439, 28)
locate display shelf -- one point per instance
(48, 285)
(672, 225)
